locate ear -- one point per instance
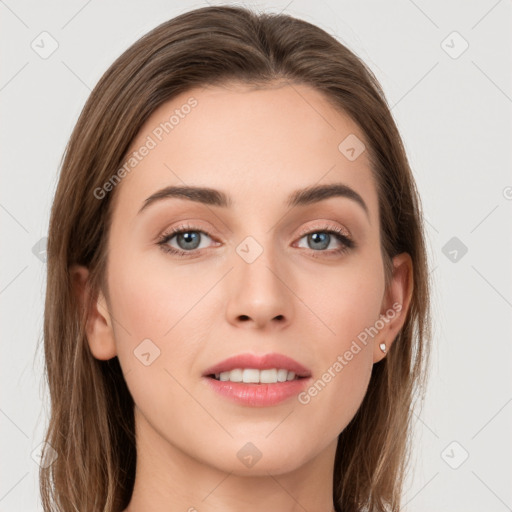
(100, 334)
(395, 304)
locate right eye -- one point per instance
(189, 237)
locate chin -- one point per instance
(260, 455)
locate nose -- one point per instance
(259, 294)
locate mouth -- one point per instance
(256, 376)
(252, 387)
(272, 368)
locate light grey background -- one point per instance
(453, 111)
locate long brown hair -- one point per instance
(91, 425)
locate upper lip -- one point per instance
(260, 362)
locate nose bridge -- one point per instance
(257, 263)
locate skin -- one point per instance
(257, 146)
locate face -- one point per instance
(261, 274)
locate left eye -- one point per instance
(321, 240)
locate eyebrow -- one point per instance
(212, 197)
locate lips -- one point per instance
(263, 362)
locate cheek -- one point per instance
(348, 303)
(153, 334)
(151, 297)
(344, 301)
(157, 329)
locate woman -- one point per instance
(237, 308)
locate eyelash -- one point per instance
(347, 243)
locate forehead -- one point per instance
(256, 144)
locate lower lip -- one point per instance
(258, 395)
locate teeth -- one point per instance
(254, 376)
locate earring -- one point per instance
(383, 347)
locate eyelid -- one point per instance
(323, 227)
(326, 225)
(185, 225)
